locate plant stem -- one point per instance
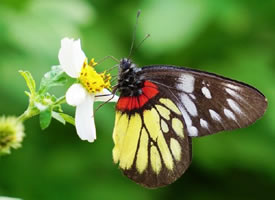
(30, 112)
(60, 101)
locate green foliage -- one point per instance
(44, 103)
(30, 83)
(62, 117)
(233, 38)
(45, 118)
(53, 78)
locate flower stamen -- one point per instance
(94, 82)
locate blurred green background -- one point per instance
(234, 38)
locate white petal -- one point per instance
(84, 120)
(76, 94)
(107, 96)
(71, 57)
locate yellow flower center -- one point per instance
(94, 82)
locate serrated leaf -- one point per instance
(53, 78)
(58, 117)
(68, 118)
(45, 118)
(29, 80)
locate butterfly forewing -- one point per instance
(151, 145)
(209, 103)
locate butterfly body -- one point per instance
(161, 107)
(128, 83)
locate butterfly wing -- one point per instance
(152, 131)
(151, 145)
(209, 103)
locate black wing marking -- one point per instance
(209, 103)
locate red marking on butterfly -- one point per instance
(149, 91)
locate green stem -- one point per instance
(32, 111)
(60, 100)
(29, 113)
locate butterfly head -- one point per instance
(129, 83)
(126, 64)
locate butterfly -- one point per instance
(161, 108)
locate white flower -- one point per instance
(90, 89)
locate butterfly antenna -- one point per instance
(134, 34)
(148, 35)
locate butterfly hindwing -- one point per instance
(151, 145)
(209, 103)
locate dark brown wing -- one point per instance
(209, 103)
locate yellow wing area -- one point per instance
(151, 146)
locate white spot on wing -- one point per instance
(229, 114)
(232, 93)
(214, 115)
(234, 106)
(189, 105)
(186, 117)
(203, 123)
(192, 96)
(206, 92)
(234, 87)
(187, 83)
(193, 131)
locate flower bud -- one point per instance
(11, 134)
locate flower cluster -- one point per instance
(89, 86)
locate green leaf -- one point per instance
(58, 117)
(53, 78)
(45, 118)
(67, 118)
(57, 108)
(28, 94)
(29, 80)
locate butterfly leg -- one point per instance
(102, 104)
(108, 57)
